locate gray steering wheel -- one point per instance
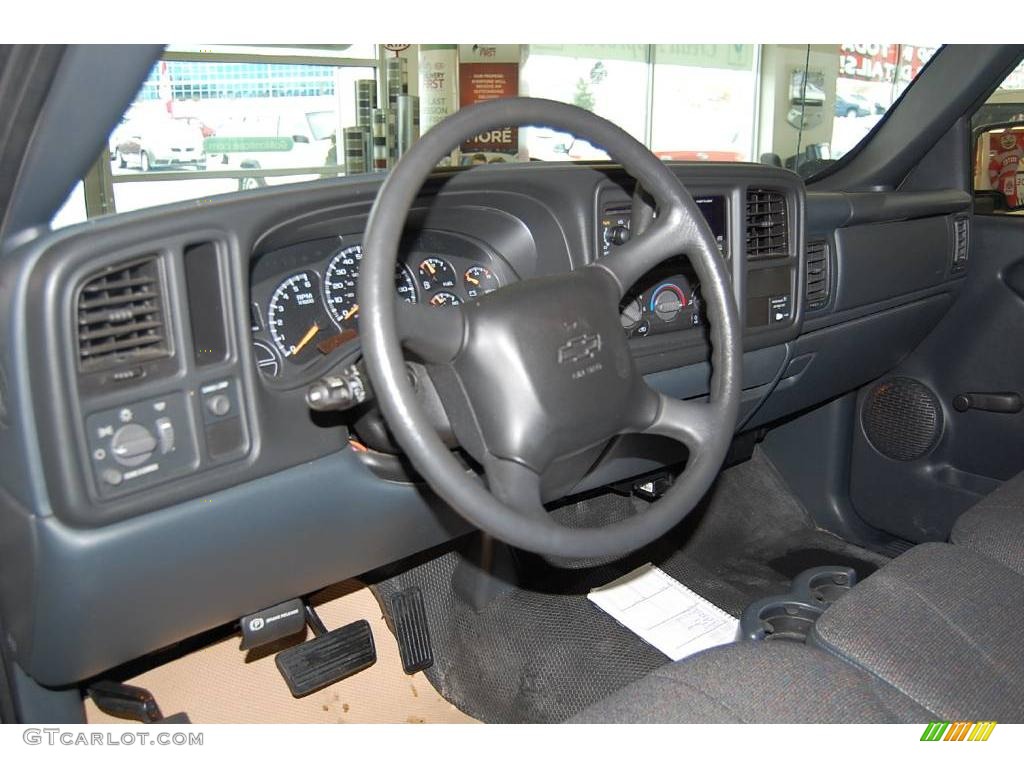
(541, 369)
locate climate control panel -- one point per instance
(665, 300)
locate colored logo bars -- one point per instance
(958, 731)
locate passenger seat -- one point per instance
(995, 525)
(940, 624)
(935, 634)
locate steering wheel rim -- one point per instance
(511, 509)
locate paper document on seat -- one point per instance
(665, 613)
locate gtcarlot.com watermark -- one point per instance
(69, 737)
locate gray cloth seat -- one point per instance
(940, 624)
(762, 682)
(936, 634)
(995, 525)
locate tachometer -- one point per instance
(340, 285)
(295, 316)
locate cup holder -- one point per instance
(823, 586)
(791, 616)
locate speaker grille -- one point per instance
(902, 419)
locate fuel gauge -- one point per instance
(435, 273)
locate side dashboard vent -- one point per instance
(819, 275)
(121, 316)
(961, 243)
(767, 224)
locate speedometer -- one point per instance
(340, 285)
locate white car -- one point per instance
(277, 141)
(148, 142)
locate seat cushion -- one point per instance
(995, 525)
(940, 624)
(757, 682)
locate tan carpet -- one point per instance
(220, 684)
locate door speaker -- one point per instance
(902, 419)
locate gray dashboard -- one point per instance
(257, 500)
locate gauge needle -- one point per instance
(313, 331)
(473, 280)
(430, 267)
(351, 312)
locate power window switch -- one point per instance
(165, 434)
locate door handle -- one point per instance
(995, 402)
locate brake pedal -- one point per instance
(409, 623)
(327, 658)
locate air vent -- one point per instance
(961, 244)
(121, 317)
(818, 275)
(767, 230)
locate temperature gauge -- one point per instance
(479, 280)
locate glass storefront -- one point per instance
(210, 120)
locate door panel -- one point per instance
(918, 491)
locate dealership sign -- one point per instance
(489, 72)
(882, 62)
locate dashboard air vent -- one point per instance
(818, 275)
(961, 242)
(767, 230)
(121, 317)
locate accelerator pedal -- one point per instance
(328, 657)
(409, 623)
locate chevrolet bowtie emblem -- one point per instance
(579, 348)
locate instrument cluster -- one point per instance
(305, 296)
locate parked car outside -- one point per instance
(286, 140)
(852, 105)
(153, 141)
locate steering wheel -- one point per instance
(541, 369)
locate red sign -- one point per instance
(882, 62)
(483, 81)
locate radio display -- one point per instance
(713, 208)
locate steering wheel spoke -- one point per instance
(631, 261)
(692, 422)
(434, 334)
(516, 485)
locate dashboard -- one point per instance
(153, 413)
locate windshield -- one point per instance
(210, 120)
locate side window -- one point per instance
(998, 142)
